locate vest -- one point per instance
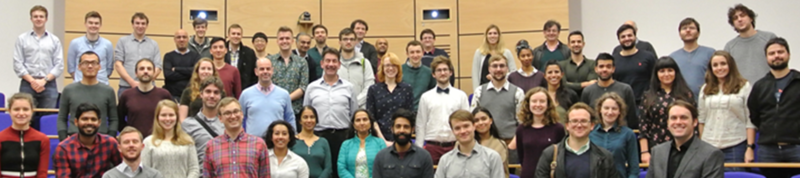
(503, 107)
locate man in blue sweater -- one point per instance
(264, 103)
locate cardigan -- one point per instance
(346, 164)
(36, 148)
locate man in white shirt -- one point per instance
(39, 60)
(435, 107)
(501, 97)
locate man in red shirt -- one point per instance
(86, 154)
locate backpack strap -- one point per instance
(553, 163)
(363, 66)
(208, 129)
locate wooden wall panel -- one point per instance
(511, 15)
(215, 28)
(384, 17)
(164, 15)
(166, 44)
(256, 15)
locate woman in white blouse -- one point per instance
(283, 163)
(169, 149)
(724, 117)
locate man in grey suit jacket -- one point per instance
(685, 156)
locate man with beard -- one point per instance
(264, 102)
(500, 97)
(687, 155)
(235, 153)
(303, 44)
(241, 56)
(415, 73)
(640, 44)
(130, 147)
(412, 160)
(87, 154)
(88, 90)
(435, 106)
(604, 67)
(746, 47)
(291, 71)
(355, 68)
(137, 104)
(578, 157)
(132, 48)
(578, 70)
(205, 125)
(635, 66)
(320, 33)
(368, 50)
(92, 41)
(552, 49)
(773, 105)
(179, 65)
(382, 46)
(199, 42)
(468, 159)
(692, 59)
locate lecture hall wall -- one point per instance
(399, 21)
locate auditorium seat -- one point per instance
(796, 176)
(49, 124)
(513, 176)
(5, 120)
(2, 100)
(742, 175)
(643, 174)
(53, 144)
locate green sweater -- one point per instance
(420, 79)
(317, 156)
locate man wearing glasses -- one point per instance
(235, 153)
(355, 68)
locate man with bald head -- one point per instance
(640, 44)
(264, 102)
(382, 46)
(178, 65)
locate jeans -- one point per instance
(120, 90)
(735, 154)
(775, 153)
(46, 99)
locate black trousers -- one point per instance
(335, 139)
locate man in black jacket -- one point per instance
(241, 56)
(367, 49)
(773, 105)
(576, 156)
(179, 65)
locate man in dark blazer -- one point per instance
(686, 155)
(367, 49)
(241, 56)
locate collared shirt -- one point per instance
(291, 76)
(481, 163)
(359, 45)
(73, 159)
(292, 166)
(433, 113)
(245, 156)
(334, 103)
(263, 90)
(519, 96)
(653, 120)
(200, 135)
(129, 51)
(125, 169)
(725, 116)
(580, 150)
(415, 162)
(104, 50)
(234, 54)
(676, 155)
(575, 73)
(623, 145)
(522, 72)
(38, 56)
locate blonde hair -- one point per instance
(179, 136)
(526, 116)
(497, 57)
(397, 64)
(486, 48)
(194, 83)
(127, 130)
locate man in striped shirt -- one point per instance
(235, 153)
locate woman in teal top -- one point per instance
(314, 149)
(358, 152)
(613, 134)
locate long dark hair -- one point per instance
(352, 131)
(562, 92)
(493, 131)
(680, 90)
(300, 120)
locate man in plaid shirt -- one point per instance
(235, 153)
(86, 154)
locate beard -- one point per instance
(348, 50)
(779, 66)
(84, 133)
(145, 79)
(576, 52)
(624, 47)
(402, 139)
(605, 78)
(133, 158)
(502, 77)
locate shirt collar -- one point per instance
(685, 146)
(522, 72)
(183, 53)
(33, 33)
(491, 87)
(266, 90)
(125, 168)
(297, 52)
(413, 148)
(239, 137)
(325, 83)
(580, 150)
(431, 51)
(97, 141)
(475, 148)
(599, 127)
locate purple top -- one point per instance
(527, 82)
(532, 141)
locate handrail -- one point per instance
(48, 110)
(727, 165)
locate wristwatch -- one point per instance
(751, 146)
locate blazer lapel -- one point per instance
(687, 158)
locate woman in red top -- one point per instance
(24, 152)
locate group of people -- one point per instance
(227, 109)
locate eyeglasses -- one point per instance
(580, 122)
(229, 113)
(92, 63)
(348, 39)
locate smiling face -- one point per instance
(609, 110)
(442, 73)
(308, 120)
(264, 71)
(231, 115)
(680, 123)
(576, 44)
(144, 71)
(210, 96)
(428, 40)
(304, 43)
(493, 36)
(777, 57)
(498, 69)
(87, 123)
(553, 75)
(719, 66)
(89, 64)
(21, 111)
(139, 26)
(551, 34)
(525, 57)
(389, 69)
(285, 40)
(483, 123)
(320, 35)
(130, 146)
(200, 30)
(579, 124)
(93, 25)
(402, 129)
(218, 50)
(167, 118)
(463, 130)
(330, 63)
(381, 45)
(235, 35)
(181, 40)
(538, 103)
(362, 123)
(205, 69)
(280, 136)
(627, 39)
(604, 69)
(414, 53)
(38, 18)
(666, 76)
(260, 44)
(361, 30)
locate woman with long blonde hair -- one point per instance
(539, 129)
(492, 45)
(190, 102)
(169, 149)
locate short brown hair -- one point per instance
(39, 8)
(199, 21)
(583, 106)
(93, 14)
(213, 80)
(684, 104)
(413, 43)
(225, 102)
(427, 31)
(744, 9)
(689, 21)
(497, 57)
(623, 108)
(331, 51)
(21, 96)
(285, 29)
(461, 115)
(136, 67)
(236, 25)
(438, 60)
(127, 130)
(140, 15)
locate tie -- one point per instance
(440, 90)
